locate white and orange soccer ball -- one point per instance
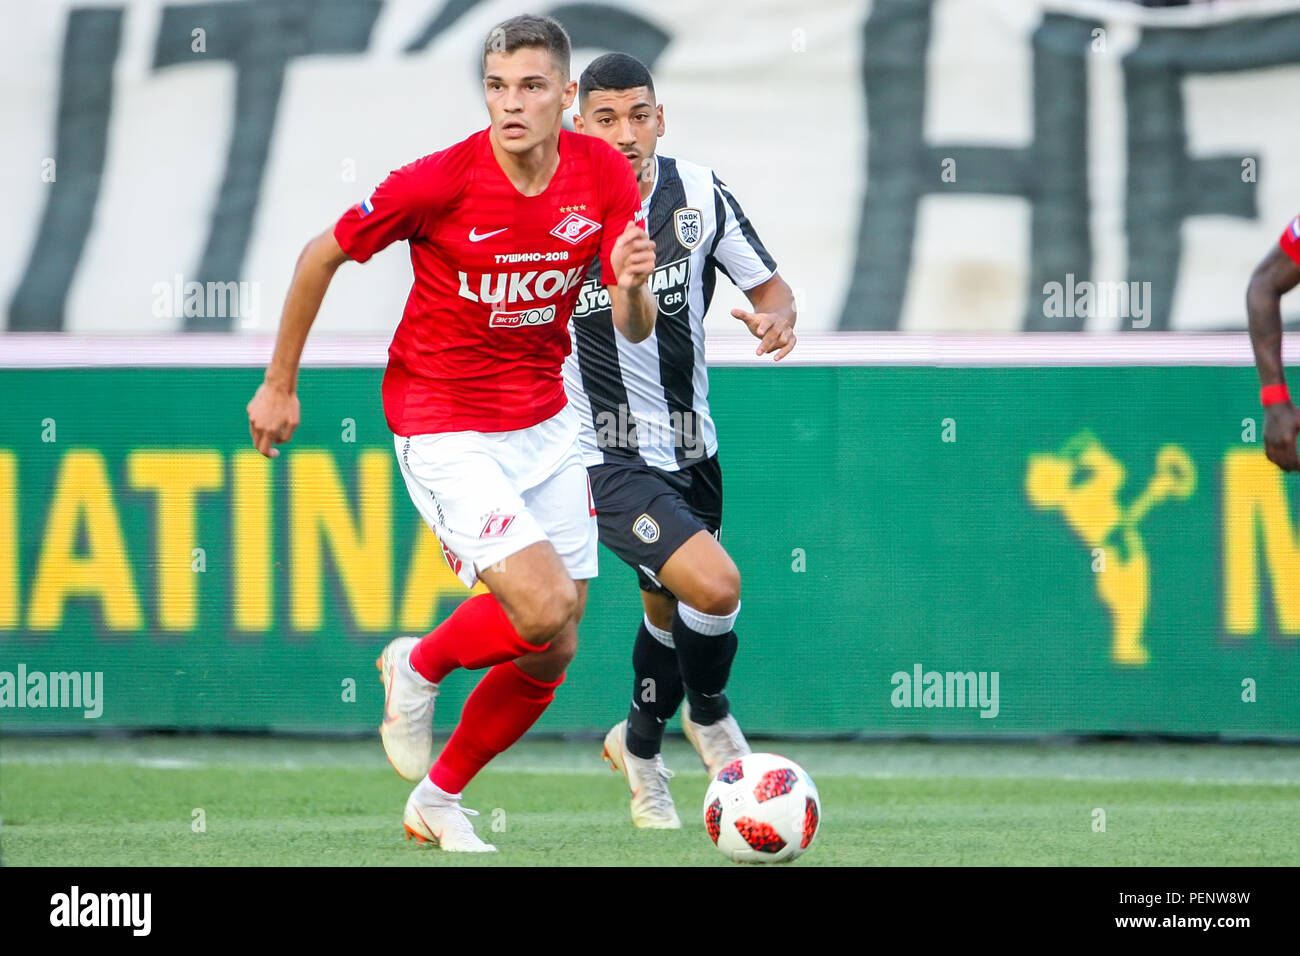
(762, 808)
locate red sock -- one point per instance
(505, 703)
(477, 634)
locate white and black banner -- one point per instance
(921, 165)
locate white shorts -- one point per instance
(488, 495)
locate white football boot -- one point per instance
(407, 730)
(444, 823)
(652, 804)
(718, 744)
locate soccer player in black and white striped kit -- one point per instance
(650, 445)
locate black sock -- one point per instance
(705, 662)
(656, 693)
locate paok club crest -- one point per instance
(688, 223)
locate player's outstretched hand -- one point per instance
(1281, 425)
(633, 257)
(774, 331)
(273, 415)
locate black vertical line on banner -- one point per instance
(260, 38)
(902, 168)
(90, 48)
(1056, 172)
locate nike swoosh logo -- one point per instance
(389, 716)
(436, 835)
(475, 237)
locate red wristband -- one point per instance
(1274, 394)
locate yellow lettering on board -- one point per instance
(83, 497)
(319, 516)
(176, 478)
(8, 541)
(1256, 512)
(252, 575)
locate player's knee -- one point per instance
(718, 593)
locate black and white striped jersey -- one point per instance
(649, 402)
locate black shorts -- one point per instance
(645, 514)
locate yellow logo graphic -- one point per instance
(1082, 482)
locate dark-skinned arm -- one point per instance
(1276, 275)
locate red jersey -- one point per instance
(497, 273)
(1290, 240)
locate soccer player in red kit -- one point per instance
(1277, 274)
(502, 228)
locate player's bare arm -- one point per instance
(1276, 275)
(773, 318)
(631, 303)
(274, 413)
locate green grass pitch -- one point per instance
(285, 801)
